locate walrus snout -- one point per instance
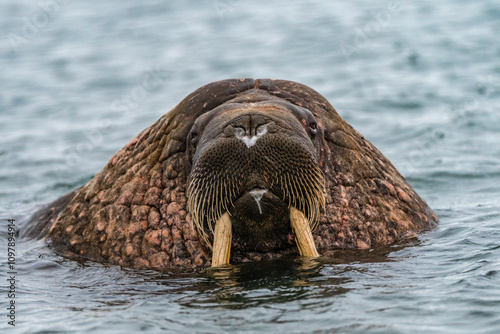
(256, 164)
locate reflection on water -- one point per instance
(351, 290)
(249, 285)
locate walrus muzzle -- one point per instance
(254, 181)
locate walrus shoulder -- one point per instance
(42, 220)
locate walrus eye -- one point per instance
(194, 136)
(313, 126)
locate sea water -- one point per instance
(421, 80)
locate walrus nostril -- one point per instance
(261, 129)
(249, 128)
(250, 140)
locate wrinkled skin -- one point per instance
(135, 211)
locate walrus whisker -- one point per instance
(301, 193)
(281, 182)
(201, 206)
(211, 208)
(309, 201)
(197, 202)
(226, 196)
(295, 191)
(220, 198)
(315, 220)
(288, 190)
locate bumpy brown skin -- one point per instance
(134, 213)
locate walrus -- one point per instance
(240, 170)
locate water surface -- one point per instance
(420, 80)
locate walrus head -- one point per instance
(254, 159)
(244, 167)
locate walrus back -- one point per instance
(42, 220)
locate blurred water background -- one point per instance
(421, 80)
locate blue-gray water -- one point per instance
(421, 80)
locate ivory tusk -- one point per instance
(222, 241)
(303, 234)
